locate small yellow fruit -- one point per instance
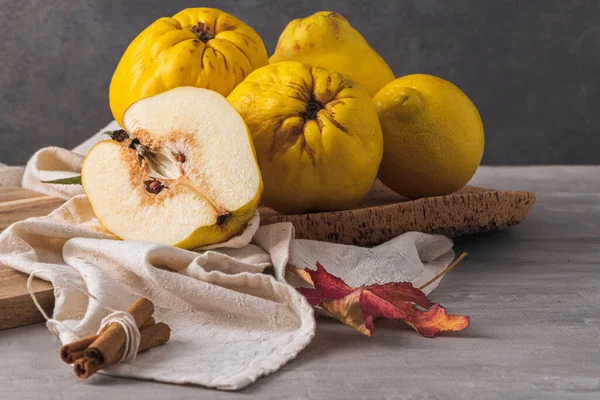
(327, 39)
(317, 136)
(433, 136)
(201, 47)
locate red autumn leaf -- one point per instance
(358, 307)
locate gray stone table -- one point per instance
(533, 293)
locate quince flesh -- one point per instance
(183, 172)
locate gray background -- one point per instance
(531, 67)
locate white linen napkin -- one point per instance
(231, 322)
(10, 176)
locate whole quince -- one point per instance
(316, 133)
(327, 39)
(433, 136)
(201, 47)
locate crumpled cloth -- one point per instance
(234, 312)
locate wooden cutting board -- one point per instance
(380, 217)
(16, 306)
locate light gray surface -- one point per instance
(531, 67)
(533, 293)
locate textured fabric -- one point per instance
(231, 322)
(52, 163)
(10, 176)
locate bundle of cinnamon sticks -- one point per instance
(92, 353)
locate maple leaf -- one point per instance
(358, 307)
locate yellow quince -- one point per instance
(327, 39)
(201, 47)
(433, 136)
(316, 133)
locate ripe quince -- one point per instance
(317, 136)
(433, 136)
(201, 47)
(327, 39)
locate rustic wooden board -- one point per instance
(16, 307)
(380, 217)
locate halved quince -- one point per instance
(183, 171)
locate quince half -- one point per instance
(183, 171)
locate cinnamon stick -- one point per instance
(152, 336)
(74, 351)
(85, 367)
(70, 358)
(107, 348)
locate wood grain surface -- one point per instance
(380, 217)
(16, 306)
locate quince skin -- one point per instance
(327, 39)
(201, 47)
(317, 136)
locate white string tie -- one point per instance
(132, 333)
(123, 318)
